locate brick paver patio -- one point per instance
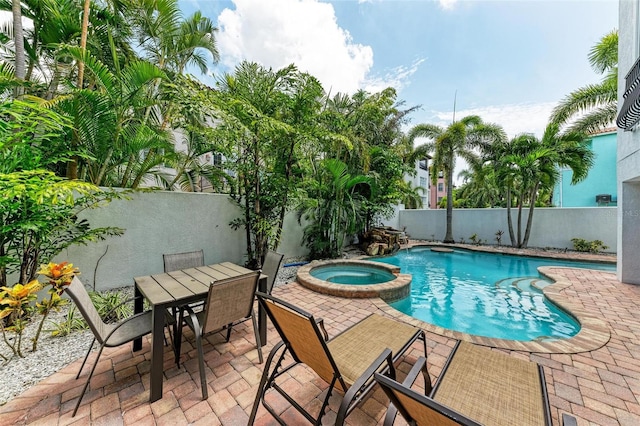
(599, 387)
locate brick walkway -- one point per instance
(599, 387)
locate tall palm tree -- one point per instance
(528, 166)
(594, 106)
(458, 140)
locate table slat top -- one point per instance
(172, 287)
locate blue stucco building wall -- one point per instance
(601, 178)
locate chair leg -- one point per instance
(229, 327)
(86, 385)
(255, 332)
(263, 382)
(203, 376)
(85, 358)
(178, 338)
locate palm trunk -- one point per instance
(18, 35)
(520, 197)
(509, 220)
(448, 238)
(527, 233)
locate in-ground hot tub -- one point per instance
(356, 279)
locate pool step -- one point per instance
(523, 284)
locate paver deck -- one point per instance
(600, 386)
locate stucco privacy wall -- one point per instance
(165, 222)
(552, 227)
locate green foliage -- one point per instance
(111, 305)
(459, 139)
(475, 240)
(72, 322)
(26, 130)
(39, 218)
(333, 209)
(595, 246)
(594, 106)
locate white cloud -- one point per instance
(276, 33)
(447, 4)
(514, 119)
(397, 78)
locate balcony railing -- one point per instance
(630, 112)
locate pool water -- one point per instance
(348, 274)
(484, 294)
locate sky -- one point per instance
(508, 61)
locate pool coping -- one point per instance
(393, 290)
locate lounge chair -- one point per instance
(477, 386)
(347, 362)
(107, 335)
(229, 301)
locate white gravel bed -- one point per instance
(54, 353)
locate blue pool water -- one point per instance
(484, 294)
(348, 274)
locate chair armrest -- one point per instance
(320, 322)
(419, 366)
(363, 381)
(122, 323)
(568, 420)
(192, 319)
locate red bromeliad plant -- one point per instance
(15, 302)
(60, 276)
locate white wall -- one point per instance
(628, 152)
(552, 227)
(165, 222)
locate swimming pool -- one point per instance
(484, 294)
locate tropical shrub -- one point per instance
(595, 246)
(39, 218)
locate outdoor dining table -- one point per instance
(178, 288)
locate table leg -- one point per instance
(157, 354)
(138, 306)
(262, 315)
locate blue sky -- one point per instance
(508, 61)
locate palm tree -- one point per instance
(528, 166)
(332, 208)
(594, 106)
(458, 140)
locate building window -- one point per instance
(440, 187)
(423, 182)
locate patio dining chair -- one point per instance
(229, 301)
(477, 386)
(176, 262)
(107, 335)
(347, 362)
(270, 267)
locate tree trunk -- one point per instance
(530, 218)
(20, 67)
(448, 238)
(519, 221)
(509, 221)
